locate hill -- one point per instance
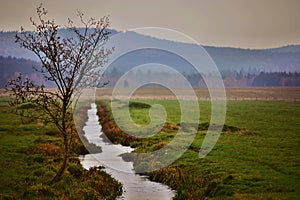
(240, 64)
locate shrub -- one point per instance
(139, 105)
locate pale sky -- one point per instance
(233, 23)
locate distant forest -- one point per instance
(10, 67)
(230, 79)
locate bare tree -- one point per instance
(72, 62)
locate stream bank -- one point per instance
(134, 186)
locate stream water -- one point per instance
(135, 187)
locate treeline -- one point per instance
(232, 79)
(277, 79)
(263, 79)
(11, 66)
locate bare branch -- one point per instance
(72, 62)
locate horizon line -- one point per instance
(183, 42)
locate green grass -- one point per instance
(258, 158)
(30, 155)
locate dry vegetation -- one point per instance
(257, 93)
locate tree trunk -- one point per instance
(65, 161)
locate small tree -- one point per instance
(72, 62)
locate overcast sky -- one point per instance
(234, 23)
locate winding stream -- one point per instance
(135, 187)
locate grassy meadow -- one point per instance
(30, 155)
(256, 157)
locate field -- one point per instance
(256, 157)
(30, 155)
(251, 93)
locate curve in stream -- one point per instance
(135, 187)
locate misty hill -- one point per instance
(280, 59)
(285, 58)
(237, 66)
(286, 49)
(8, 47)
